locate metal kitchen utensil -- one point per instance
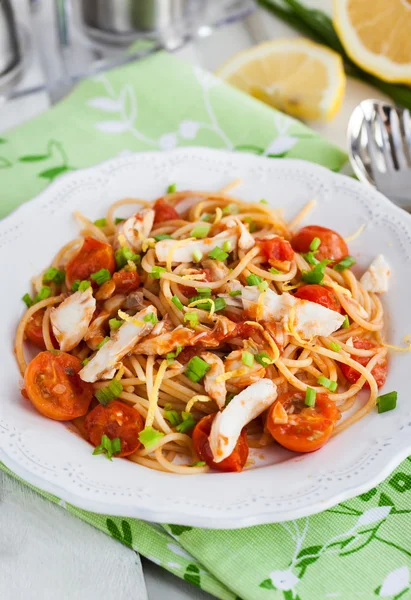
(120, 20)
(9, 43)
(379, 145)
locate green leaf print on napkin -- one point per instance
(54, 152)
(125, 537)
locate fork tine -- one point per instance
(382, 138)
(397, 140)
(406, 128)
(376, 160)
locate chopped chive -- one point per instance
(327, 383)
(156, 272)
(197, 255)
(123, 255)
(54, 274)
(162, 236)
(335, 347)
(199, 463)
(263, 359)
(118, 220)
(196, 369)
(251, 225)
(387, 402)
(192, 318)
(316, 275)
(44, 293)
(344, 264)
(263, 201)
(200, 231)
(101, 222)
(172, 188)
(177, 302)
(173, 417)
(227, 247)
(253, 279)
(149, 437)
(101, 276)
(219, 304)
(218, 254)
(108, 447)
(247, 359)
(263, 286)
(205, 291)
(315, 244)
(274, 271)
(27, 300)
(310, 395)
(310, 258)
(151, 318)
(115, 323)
(109, 393)
(231, 209)
(84, 285)
(346, 322)
(101, 344)
(85, 361)
(235, 293)
(208, 217)
(170, 356)
(187, 424)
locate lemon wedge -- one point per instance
(297, 76)
(376, 36)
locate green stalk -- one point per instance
(319, 27)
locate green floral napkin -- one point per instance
(360, 549)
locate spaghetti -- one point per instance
(199, 326)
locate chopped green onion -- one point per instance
(346, 322)
(316, 275)
(335, 347)
(345, 263)
(115, 323)
(187, 424)
(263, 201)
(253, 279)
(109, 393)
(200, 231)
(27, 300)
(85, 361)
(101, 276)
(170, 356)
(205, 291)
(251, 225)
(172, 188)
(151, 318)
(156, 272)
(310, 258)
(173, 417)
(197, 255)
(177, 302)
(227, 247)
(44, 293)
(218, 254)
(230, 396)
(75, 285)
(263, 286)
(118, 220)
(387, 402)
(231, 209)
(263, 359)
(53, 274)
(315, 244)
(101, 344)
(199, 463)
(219, 304)
(274, 271)
(123, 255)
(208, 217)
(247, 359)
(108, 447)
(162, 236)
(101, 222)
(192, 318)
(310, 395)
(327, 383)
(84, 285)
(235, 293)
(196, 369)
(149, 437)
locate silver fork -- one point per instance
(379, 144)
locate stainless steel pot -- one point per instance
(9, 44)
(129, 17)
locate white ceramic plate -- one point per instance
(281, 486)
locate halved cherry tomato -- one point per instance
(34, 329)
(379, 372)
(126, 281)
(276, 251)
(332, 244)
(92, 256)
(320, 295)
(308, 428)
(234, 462)
(54, 386)
(116, 420)
(164, 211)
(188, 291)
